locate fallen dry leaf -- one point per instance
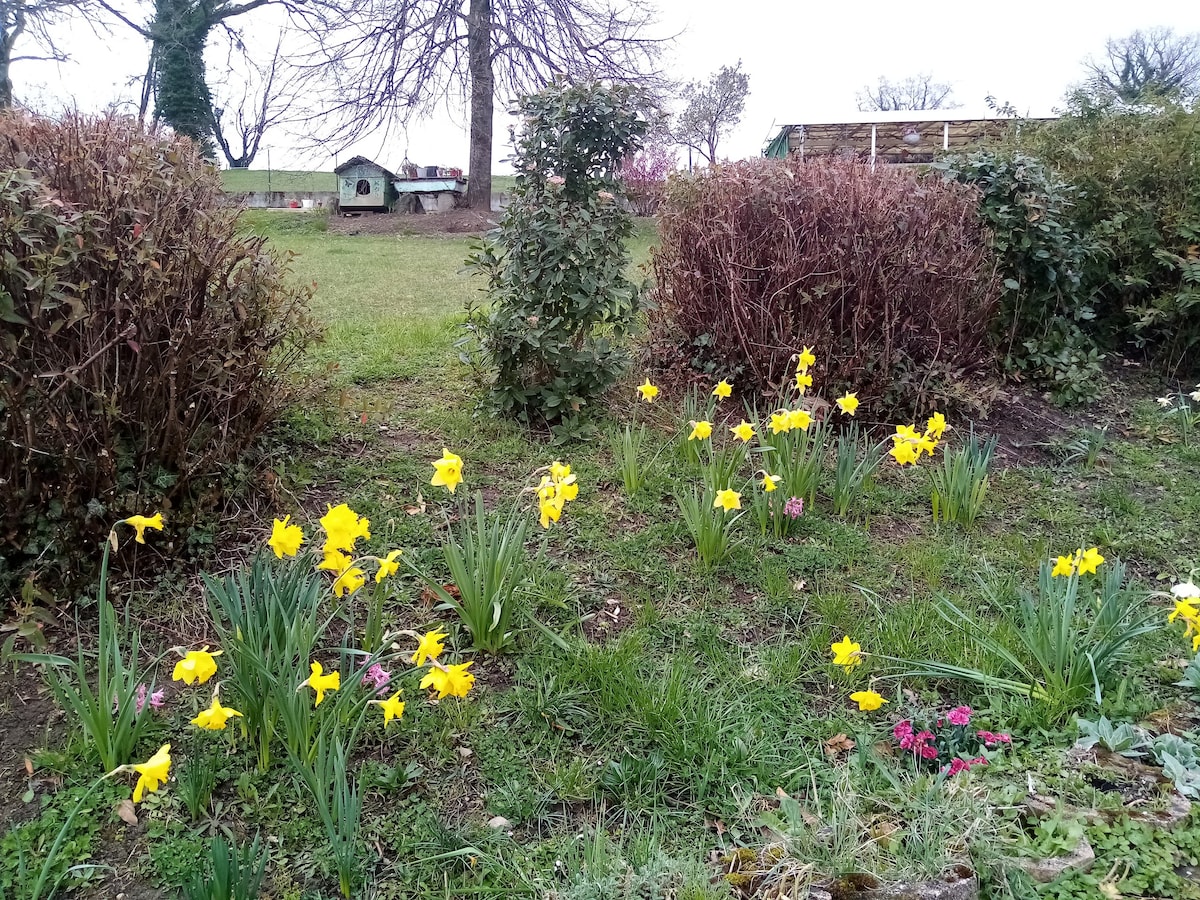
(717, 825)
(839, 743)
(125, 811)
(28, 766)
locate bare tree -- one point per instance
(712, 109)
(31, 20)
(391, 59)
(176, 76)
(914, 92)
(260, 97)
(1147, 65)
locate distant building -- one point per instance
(364, 186)
(894, 138)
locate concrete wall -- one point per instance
(283, 199)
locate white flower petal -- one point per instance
(1186, 590)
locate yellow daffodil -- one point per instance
(771, 482)
(429, 647)
(567, 489)
(388, 566)
(1089, 560)
(285, 539)
(926, 444)
(800, 419)
(936, 426)
(141, 523)
(559, 472)
(349, 581)
(700, 431)
(868, 701)
(1184, 609)
(848, 404)
(453, 681)
(806, 360)
(722, 390)
(743, 431)
(846, 653)
(648, 391)
(343, 527)
(152, 773)
(780, 422)
(1063, 566)
(904, 453)
(447, 471)
(334, 561)
(320, 682)
(196, 667)
(549, 510)
(907, 433)
(803, 381)
(728, 500)
(215, 717)
(393, 707)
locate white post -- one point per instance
(945, 135)
(873, 128)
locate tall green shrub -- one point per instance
(1137, 175)
(1042, 253)
(145, 342)
(556, 266)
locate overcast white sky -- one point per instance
(806, 62)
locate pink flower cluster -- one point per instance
(990, 739)
(794, 507)
(958, 764)
(156, 699)
(919, 743)
(960, 715)
(378, 677)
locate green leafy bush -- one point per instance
(145, 342)
(1042, 252)
(1136, 172)
(556, 266)
(889, 276)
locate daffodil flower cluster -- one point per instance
(557, 488)
(848, 655)
(343, 529)
(197, 667)
(908, 444)
(1083, 562)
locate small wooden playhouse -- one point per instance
(365, 186)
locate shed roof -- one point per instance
(882, 134)
(363, 161)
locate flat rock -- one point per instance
(1046, 870)
(957, 883)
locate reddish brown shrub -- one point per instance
(886, 273)
(144, 341)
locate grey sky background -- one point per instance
(806, 62)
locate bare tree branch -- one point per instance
(1148, 65)
(914, 92)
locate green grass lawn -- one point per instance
(691, 712)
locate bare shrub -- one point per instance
(888, 273)
(144, 341)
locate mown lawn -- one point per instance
(688, 702)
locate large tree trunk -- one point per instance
(7, 40)
(479, 55)
(5, 84)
